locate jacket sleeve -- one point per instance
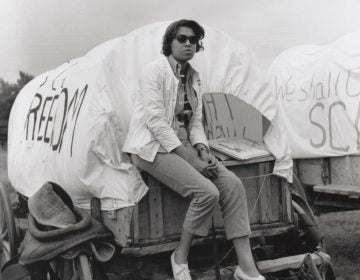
(152, 94)
(197, 134)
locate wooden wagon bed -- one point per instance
(155, 224)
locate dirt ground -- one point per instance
(341, 230)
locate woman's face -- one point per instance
(183, 46)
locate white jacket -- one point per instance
(152, 119)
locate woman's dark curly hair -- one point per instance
(172, 30)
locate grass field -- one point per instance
(342, 233)
(341, 230)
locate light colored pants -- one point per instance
(226, 188)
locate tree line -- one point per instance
(8, 93)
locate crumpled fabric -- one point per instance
(56, 227)
(45, 245)
(101, 250)
(52, 206)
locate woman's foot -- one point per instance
(240, 275)
(180, 271)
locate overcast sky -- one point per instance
(38, 35)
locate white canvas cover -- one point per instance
(318, 92)
(68, 125)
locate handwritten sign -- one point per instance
(67, 126)
(318, 91)
(51, 117)
(227, 116)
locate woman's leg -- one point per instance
(182, 251)
(234, 208)
(244, 256)
(180, 176)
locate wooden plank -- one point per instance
(95, 208)
(247, 174)
(285, 207)
(275, 198)
(270, 266)
(164, 247)
(174, 211)
(262, 231)
(265, 195)
(345, 170)
(355, 168)
(143, 217)
(341, 171)
(155, 208)
(348, 190)
(292, 262)
(234, 162)
(135, 224)
(119, 222)
(159, 244)
(149, 250)
(170, 246)
(338, 204)
(310, 170)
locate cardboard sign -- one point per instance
(227, 117)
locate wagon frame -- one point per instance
(153, 226)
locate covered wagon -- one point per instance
(318, 92)
(68, 126)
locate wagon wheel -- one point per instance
(304, 217)
(80, 268)
(298, 194)
(308, 229)
(8, 235)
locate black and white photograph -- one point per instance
(180, 140)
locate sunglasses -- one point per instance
(183, 38)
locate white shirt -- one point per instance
(152, 119)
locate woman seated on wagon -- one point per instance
(166, 139)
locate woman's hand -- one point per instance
(209, 159)
(204, 168)
(205, 164)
